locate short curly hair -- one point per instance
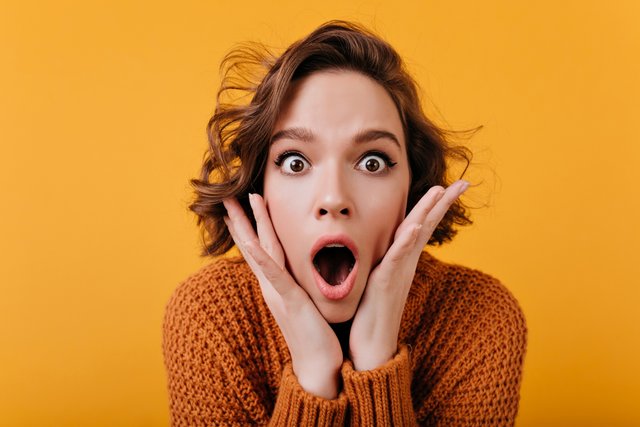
(239, 133)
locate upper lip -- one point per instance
(341, 239)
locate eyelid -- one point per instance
(290, 153)
(388, 163)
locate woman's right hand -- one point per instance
(315, 350)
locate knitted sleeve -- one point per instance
(470, 377)
(210, 382)
(380, 397)
(296, 407)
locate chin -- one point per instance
(338, 313)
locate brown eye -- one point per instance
(375, 163)
(292, 163)
(372, 165)
(296, 165)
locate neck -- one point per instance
(342, 332)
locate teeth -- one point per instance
(334, 245)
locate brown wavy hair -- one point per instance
(239, 133)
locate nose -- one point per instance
(332, 196)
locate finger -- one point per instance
(242, 225)
(403, 245)
(240, 228)
(400, 255)
(419, 212)
(412, 234)
(435, 215)
(260, 261)
(430, 210)
(425, 204)
(241, 248)
(279, 278)
(266, 234)
(268, 291)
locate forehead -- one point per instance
(338, 103)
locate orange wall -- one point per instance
(103, 107)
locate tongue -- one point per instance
(333, 266)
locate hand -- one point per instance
(315, 350)
(374, 333)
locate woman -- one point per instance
(330, 182)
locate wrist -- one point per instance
(321, 383)
(373, 359)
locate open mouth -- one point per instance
(334, 262)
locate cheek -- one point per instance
(285, 203)
(283, 210)
(387, 197)
(382, 216)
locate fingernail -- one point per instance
(439, 195)
(464, 186)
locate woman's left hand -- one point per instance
(374, 333)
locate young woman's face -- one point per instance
(336, 185)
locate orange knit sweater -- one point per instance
(462, 345)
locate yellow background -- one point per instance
(103, 107)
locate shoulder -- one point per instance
(464, 297)
(211, 291)
(209, 346)
(468, 337)
(211, 312)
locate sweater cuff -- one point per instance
(381, 396)
(297, 407)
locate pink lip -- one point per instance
(340, 291)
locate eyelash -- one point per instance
(387, 160)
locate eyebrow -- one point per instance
(305, 135)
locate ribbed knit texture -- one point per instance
(462, 346)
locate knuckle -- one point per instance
(251, 244)
(271, 275)
(253, 247)
(431, 224)
(291, 297)
(269, 248)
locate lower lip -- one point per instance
(336, 292)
